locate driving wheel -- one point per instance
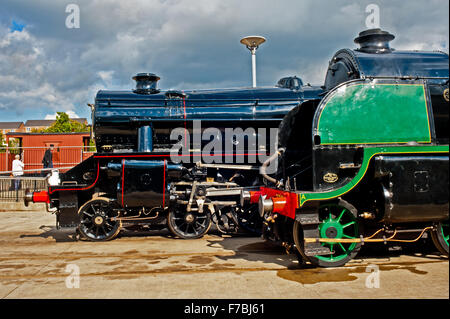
(188, 225)
(337, 220)
(440, 237)
(97, 220)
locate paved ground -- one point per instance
(36, 260)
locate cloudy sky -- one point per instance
(46, 67)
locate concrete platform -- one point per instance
(38, 261)
(19, 206)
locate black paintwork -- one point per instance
(330, 160)
(440, 111)
(144, 183)
(374, 41)
(415, 187)
(349, 64)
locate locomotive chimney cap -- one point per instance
(374, 41)
(146, 83)
(145, 75)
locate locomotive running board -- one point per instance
(228, 166)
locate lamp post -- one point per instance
(252, 43)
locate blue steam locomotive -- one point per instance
(173, 158)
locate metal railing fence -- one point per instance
(12, 189)
(63, 156)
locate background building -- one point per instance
(36, 125)
(69, 149)
(6, 127)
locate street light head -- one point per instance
(253, 42)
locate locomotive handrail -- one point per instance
(254, 103)
(199, 100)
(203, 119)
(228, 166)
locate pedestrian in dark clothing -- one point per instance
(47, 161)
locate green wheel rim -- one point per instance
(444, 231)
(337, 222)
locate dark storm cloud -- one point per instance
(190, 44)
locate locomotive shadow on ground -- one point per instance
(422, 248)
(356, 269)
(138, 233)
(59, 235)
(268, 252)
(70, 234)
(258, 250)
(160, 230)
(262, 250)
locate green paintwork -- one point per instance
(343, 230)
(369, 152)
(368, 113)
(445, 225)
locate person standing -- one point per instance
(47, 161)
(17, 170)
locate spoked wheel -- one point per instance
(96, 220)
(440, 237)
(188, 225)
(250, 220)
(337, 220)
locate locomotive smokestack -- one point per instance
(146, 83)
(374, 41)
